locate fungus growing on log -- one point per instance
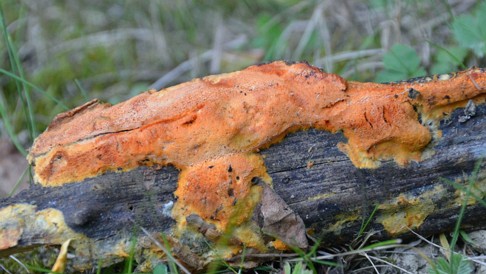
(213, 130)
(236, 114)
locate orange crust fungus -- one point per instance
(212, 128)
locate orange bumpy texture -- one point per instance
(208, 126)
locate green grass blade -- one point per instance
(130, 259)
(382, 244)
(172, 264)
(81, 89)
(9, 128)
(41, 270)
(328, 263)
(287, 268)
(98, 267)
(463, 189)
(22, 89)
(243, 254)
(365, 224)
(449, 53)
(19, 181)
(36, 88)
(307, 257)
(455, 235)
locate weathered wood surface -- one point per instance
(309, 174)
(306, 167)
(355, 192)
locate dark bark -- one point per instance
(358, 190)
(309, 173)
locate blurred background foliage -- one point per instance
(77, 50)
(58, 54)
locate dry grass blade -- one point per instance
(390, 264)
(4, 269)
(60, 264)
(371, 262)
(311, 25)
(167, 253)
(352, 55)
(20, 263)
(188, 64)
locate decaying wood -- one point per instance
(228, 161)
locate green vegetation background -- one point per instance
(74, 51)
(55, 55)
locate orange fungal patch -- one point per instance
(216, 190)
(212, 128)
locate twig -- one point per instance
(188, 64)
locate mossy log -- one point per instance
(255, 160)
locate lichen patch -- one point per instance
(406, 212)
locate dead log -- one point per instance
(253, 160)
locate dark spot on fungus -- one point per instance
(190, 121)
(230, 169)
(144, 161)
(413, 93)
(366, 118)
(289, 63)
(432, 100)
(213, 217)
(231, 192)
